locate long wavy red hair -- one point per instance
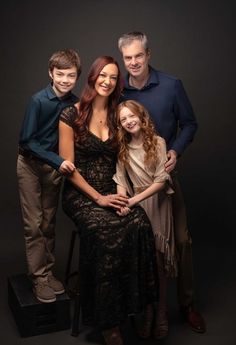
(89, 93)
(150, 136)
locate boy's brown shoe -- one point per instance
(55, 285)
(43, 292)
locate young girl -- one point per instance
(141, 174)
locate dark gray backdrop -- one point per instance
(194, 40)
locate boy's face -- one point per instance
(63, 80)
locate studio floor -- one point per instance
(215, 280)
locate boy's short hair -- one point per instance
(63, 59)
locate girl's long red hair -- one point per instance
(150, 136)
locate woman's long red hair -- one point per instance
(89, 93)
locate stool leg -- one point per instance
(76, 316)
(68, 274)
(68, 265)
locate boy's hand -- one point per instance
(67, 167)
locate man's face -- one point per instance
(136, 59)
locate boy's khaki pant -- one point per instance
(184, 247)
(39, 188)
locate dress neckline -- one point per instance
(137, 146)
(94, 135)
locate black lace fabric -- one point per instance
(118, 265)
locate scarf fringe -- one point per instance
(170, 256)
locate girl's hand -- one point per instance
(112, 200)
(123, 211)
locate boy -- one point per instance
(39, 171)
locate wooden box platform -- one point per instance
(33, 317)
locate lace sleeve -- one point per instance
(68, 115)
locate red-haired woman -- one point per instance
(118, 269)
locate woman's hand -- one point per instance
(112, 200)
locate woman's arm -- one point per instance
(66, 150)
(66, 141)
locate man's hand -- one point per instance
(172, 160)
(66, 167)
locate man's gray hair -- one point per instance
(129, 37)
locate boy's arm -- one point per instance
(29, 140)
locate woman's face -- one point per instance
(130, 121)
(106, 81)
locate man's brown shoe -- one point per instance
(194, 319)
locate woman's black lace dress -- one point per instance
(118, 267)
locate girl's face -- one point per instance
(107, 80)
(130, 121)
